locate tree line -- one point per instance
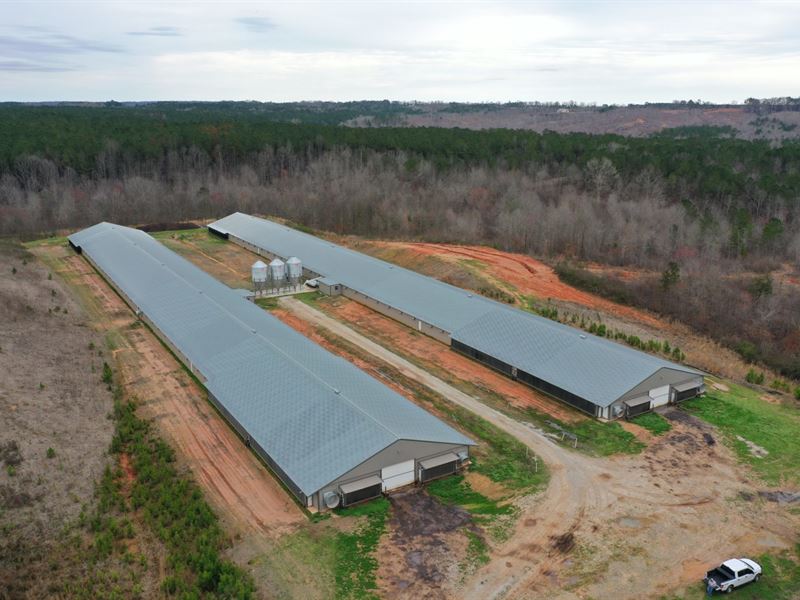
(723, 210)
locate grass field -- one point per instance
(653, 422)
(775, 428)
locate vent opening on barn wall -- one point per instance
(690, 389)
(439, 466)
(331, 499)
(361, 490)
(637, 406)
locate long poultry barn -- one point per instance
(330, 432)
(600, 377)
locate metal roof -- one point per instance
(315, 414)
(591, 367)
(433, 301)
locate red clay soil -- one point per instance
(128, 472)
(528, 275)
(233, 479)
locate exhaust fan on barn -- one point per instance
(331, 499)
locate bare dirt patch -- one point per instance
(483, 485)
(602, 523)
(528, 276)
(419, 556)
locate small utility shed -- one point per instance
(330, 432)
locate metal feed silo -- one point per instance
(294, 266)
(277, 271)
(259, 272)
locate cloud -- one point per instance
(39, 50)
(18, 66)
(51, 43)
(256, 24)
(163, 31)
(603, 51)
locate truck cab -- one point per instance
(731, 574)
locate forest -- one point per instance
(714, 217)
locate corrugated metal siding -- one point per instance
(588, 370)
(311, 414)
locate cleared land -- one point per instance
(629, 121)
(55, 432)
(606, 526)
(601, 515)
(247, 497)
(592, 533)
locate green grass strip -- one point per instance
(653, 422)
(773, 427)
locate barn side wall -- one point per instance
(518, 374)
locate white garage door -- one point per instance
(659, 396)
(398, 475)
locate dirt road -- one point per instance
(594, 527)
(236, 484)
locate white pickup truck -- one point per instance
(731, 574)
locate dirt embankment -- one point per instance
(527, 275)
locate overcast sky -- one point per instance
(479, 51)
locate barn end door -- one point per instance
(659, 396)
(398, 475)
